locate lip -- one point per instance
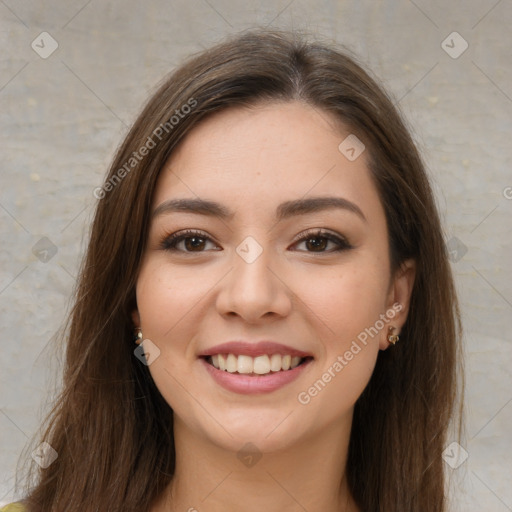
(239, 348)
(251, 384)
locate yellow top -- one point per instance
(13, 507)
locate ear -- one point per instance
(399, 299)
(135, 317)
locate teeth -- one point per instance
(275, 362)
(260, 365)
(231, 363)
(245, 364)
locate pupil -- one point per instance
(194, 242)
(317, 245)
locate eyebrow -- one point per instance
(284, 210)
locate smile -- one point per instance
(260, 365)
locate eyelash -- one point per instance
(170, 242)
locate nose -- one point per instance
(253, 291)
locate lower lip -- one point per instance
(249, 385)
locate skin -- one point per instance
(251, 160)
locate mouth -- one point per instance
(254, 368)
(261, 365)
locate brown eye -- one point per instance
(186, 241)
(193, 243)
(318, 241)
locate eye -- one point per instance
(318, 240)
(193, 241)
(190, 241)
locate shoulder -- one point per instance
(13, 507)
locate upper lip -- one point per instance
(253, 349)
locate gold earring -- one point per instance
(138, 335)
(392, 338)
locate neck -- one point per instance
(307, 477)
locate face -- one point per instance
(266, 293)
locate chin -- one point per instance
(268, 433)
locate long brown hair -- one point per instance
(112, 429)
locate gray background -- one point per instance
(61, 118)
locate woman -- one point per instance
(265, 237)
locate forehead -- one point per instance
(254, 158)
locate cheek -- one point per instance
(164, 298)
(348, 306)
(163, 301)
(347, 300)
(333, 391)
(170, 300)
